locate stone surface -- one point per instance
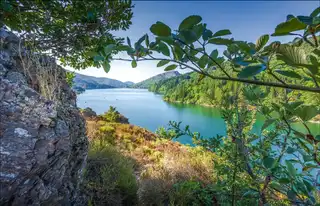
(43, 146)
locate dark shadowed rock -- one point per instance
(88, 113)
(43, 146)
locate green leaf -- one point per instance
(207, 34)
(250, 71)
(220, 41)
(160, 29)
(316, 52)
(297, 42)
(92, 54)
(291, 194)
(305, 19)
(243, 46)
(167, 39)
(267, 123)
(309, 166)
(189, 36)
(189, 22)
(124, 48)
(290, 16)
(308, 185)
(315, 22)
(292, 171)
(198, 30)
(284, 180)
(291, 74)
(214, 54)
(269, 162)
(316, 12)
(251, 193)
(314, 60)
(162, 63)
(134, 64)
(106, 66)
(98, 58)
(147, 40)
(164, 49)
(194, 52)
(203, 61)
(276, 186)
(129, 42)
(108, 49)
(223, 32)
(141, 40)
(292, 55)
(307, 112)
(178, 53)
(261, 42)
(152, 45)
(289, 26)
(291, 150)
(170, 67)
(312, 68)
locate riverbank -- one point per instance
(315, 120)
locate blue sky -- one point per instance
(247, 20)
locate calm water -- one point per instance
(148, 110)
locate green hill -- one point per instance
(148, 82)
(90, 82)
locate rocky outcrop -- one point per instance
(43, 146)
(88, 113)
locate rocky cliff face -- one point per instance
(43, 146)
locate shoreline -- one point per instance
(315, 120)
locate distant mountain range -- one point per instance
(83, 82)
(148, 82)
(89, 82)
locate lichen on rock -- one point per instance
(43, 145)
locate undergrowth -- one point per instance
(128, 165)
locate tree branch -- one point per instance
(248, 81)
(204, 53)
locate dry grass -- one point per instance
(42, 71)
(159, 163)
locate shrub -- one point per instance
(109, 177)
(165, 134)
(153, 191)
(112, 115)
(192, 193)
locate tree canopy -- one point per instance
(68, 29)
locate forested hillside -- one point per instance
(146, 83)
(90, 82)
(193, 88)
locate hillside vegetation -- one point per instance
(146, 83)
(90, 82)
(128, 165)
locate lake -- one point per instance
(148, 110)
